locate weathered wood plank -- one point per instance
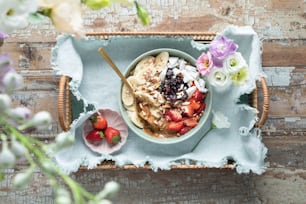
(284, 53)
(196, 186)
(271, 19)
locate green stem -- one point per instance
(196, 145)
(76, 189)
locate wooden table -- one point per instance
(282, 27)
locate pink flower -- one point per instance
(204, 63)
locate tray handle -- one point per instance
(64, 103)
(266, 100)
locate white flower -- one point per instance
(219, 78)
(62, 196)
(220, 120)
(20, 114)
(14, 14)
(17, 148)
(64, 139)
(110, 189)
(12, 81)
(234, 62)
(41, 120)
(65, 15)
(7, 158)
(5, 102)
(22, 179)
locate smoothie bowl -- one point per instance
(171, 101)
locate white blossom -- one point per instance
(17, 148)
(62, 196)
(22, 179)
(7, 158)
(12, 81)
(5, 102)
(220, 79)
(14, 14)
(233, 63)
(65, 15)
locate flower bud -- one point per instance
(7, 158)
(110, 189)
(104, 201)
(62, 196)
(64, 139)
(5, 102)
(17, 148)
(20, 114)
(12, 81)
(6, 65)
(22, 179)
(40, 120)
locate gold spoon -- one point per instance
(104, 54)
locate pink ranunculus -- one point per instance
(220, 48)
(204, 63)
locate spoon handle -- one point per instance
(115, 68)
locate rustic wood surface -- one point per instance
(281, 25)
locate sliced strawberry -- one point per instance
(190, 122)
(187, 111)
(184, 130)
(175, 126)
(173, 115)
(198, 95)
(201, 109)
(195, 104)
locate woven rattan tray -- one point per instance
(65, 111)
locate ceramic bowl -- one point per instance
(171, 140)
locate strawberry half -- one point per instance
(95, 137)
(173, 115)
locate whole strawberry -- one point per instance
(95, 137)
(99, 122)
(112, 135)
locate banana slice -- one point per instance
(126, 95)
(135, 118)
(161, 61)
(143, 69)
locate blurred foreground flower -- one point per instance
(14, 14)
